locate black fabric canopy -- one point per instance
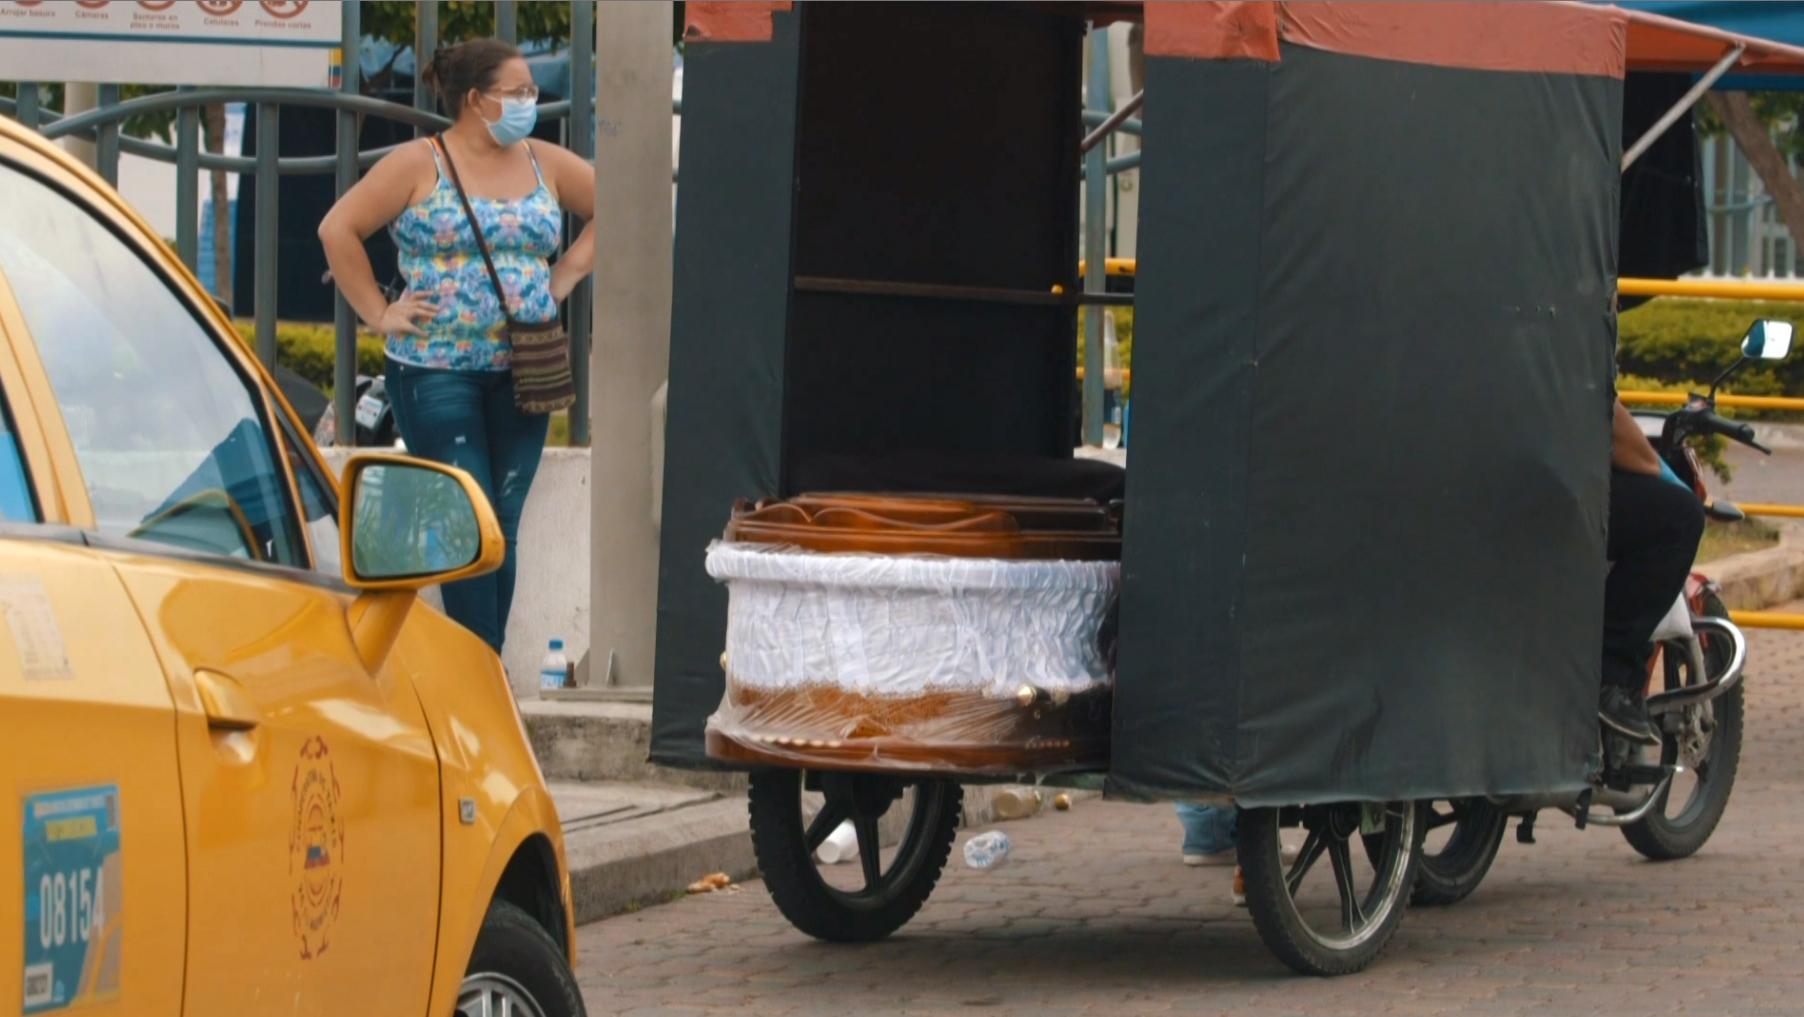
(1364, 545)
(1366, 501)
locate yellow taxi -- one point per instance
(243, 770)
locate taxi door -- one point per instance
(309, 784)
(92, 913)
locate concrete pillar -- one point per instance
(80, 97)
(631, 353)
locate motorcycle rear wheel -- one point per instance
(1670, 833)
(1449, 873)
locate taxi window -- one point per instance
(170, 438)
(17, 504)
(319, 505)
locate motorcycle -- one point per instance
(1668, 806)
(374, 417)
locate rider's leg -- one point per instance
(1654, 530)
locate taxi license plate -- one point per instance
(73, 898)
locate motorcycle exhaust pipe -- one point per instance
(1633, 815)
(1626, 806)
(1703, 692)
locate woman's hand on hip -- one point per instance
(399, 318)
(563, 282)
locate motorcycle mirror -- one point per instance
(1767, 339)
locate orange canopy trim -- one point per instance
(743, 21)
(1545, 37)
(1213, 31)
(1659, 43)
(1549, 37)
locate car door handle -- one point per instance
(227, 706)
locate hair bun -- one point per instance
(455, 70)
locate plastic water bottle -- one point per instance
(554, 669)
(987, 850)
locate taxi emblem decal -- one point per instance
(316, 849)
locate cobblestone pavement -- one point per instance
(1095, 914)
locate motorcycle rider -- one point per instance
(1655, 525)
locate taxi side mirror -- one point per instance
(406, 524)
(409, 523)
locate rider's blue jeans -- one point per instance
(1208, 829)
(467, 419)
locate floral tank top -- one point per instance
(438, 256)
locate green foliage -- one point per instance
(1676, 340)
(459, 20)
(310, 350)
(1779, 111)
(144, 125)
(1124, 335)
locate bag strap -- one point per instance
(438, 142)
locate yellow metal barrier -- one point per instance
(1733, 402)
(1722, 289)
(1767, 620)
(1113, 266)
(1784, 511)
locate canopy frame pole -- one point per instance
(1096, 240)
(1683, 106)
(1108, 126)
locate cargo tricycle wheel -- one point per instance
(1332, 910)
(879, 891)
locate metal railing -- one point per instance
(102, 124)
(1728, 289)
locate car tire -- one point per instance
(517, 960)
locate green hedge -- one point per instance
(1676, 340)
(310, 350)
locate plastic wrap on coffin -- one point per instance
(968, 644)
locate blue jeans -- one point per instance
(467, 419)
(1208, 829)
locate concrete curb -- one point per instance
(634, 865)
(1754, 580)
(587, 741)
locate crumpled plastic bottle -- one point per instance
(987, 850)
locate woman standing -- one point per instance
(449, 372)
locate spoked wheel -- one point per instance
(1460, 841)
(850, 903)
(1707, 744)
(1333, 910)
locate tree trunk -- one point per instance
(1751, 136)
(214, 128)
